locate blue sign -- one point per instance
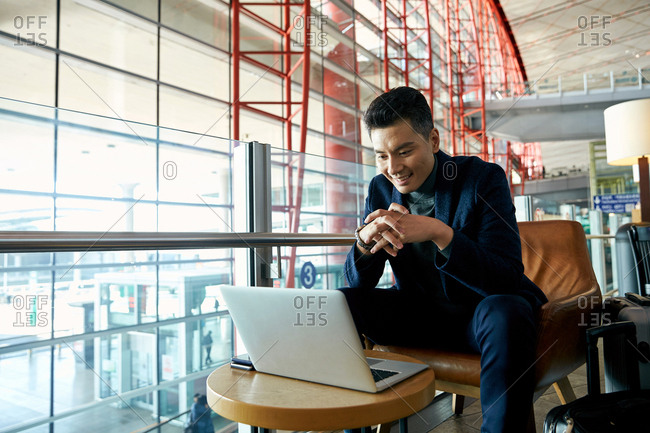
(308, 275)
(616, 203)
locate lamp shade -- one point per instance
(627, 132)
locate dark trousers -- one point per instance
(501, 328)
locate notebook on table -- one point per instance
(308, 335)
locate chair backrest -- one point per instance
(640, 240)
(556, 258)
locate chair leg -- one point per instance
(457, 403)
(384, 428)
(368, 345)
(564, 390)
(530, 428)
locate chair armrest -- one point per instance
(561, 336)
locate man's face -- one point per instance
(404, 156)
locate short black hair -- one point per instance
(400, 103)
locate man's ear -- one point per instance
(434, 140)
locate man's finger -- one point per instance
(388, 241)
(390, 250)
(374, 215)
(396, 207)
(372, 231)
(383, 244)
(392, 238)
(391, 222)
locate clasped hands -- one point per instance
(393, 228)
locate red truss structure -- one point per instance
(281, 65)
(404, 25)
(477, 55)
(284, 59)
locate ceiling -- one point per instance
(571, 38)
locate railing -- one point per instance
(600, 237)
(580, 84)
(157, 425)
(160, 424)
(35, 242)
(598, 243)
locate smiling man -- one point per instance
(447, 226)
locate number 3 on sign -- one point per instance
(308, 275)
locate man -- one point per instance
(207, 342)
(190, 425)
(447, 226)
(200, 420)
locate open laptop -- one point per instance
(309, 335)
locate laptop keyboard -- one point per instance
(378, 374)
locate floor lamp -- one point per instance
(627, 136)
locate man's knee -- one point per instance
(348, 291)
(506, 317)
(352, 295)
(356, 304)
(504, 308)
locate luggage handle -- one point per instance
(642, 301)
(628, 329)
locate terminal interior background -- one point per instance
(117, 116)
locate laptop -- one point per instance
(308, 335)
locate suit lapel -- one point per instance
(443, 186)
(396, 197)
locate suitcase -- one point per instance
(617, 412)
(634, 308)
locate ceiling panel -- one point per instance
(572, 38)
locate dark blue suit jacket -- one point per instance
(473, 198)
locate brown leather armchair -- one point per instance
(555, 257)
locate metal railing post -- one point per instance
(524, 208)
(614, 224)
(252, 211)
(598, 249)
(640, 75)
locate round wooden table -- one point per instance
(274, 402)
